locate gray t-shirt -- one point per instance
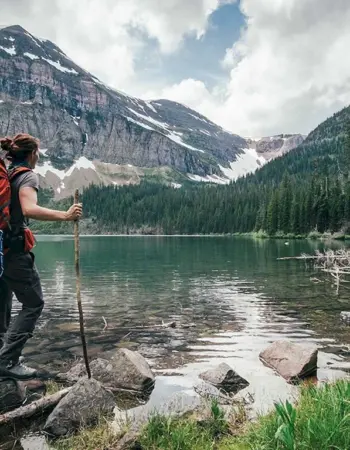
(25, 179)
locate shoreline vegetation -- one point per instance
(314, 235)
(320, 419)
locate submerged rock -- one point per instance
(210, 392)
(179, 404)
(292, 361)
(126, 370)
(224, 377)
(345, 317)
(12, 394)
(81, 407)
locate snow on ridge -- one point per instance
(11, 51)
(199, 118)
(151, 107)
(205, 132)
(247, 162)
(208, 179)
(47, 167)
(58, 66)
(28, 102)
(150, 119)
(81, 163)
(31, 56)
(34, 40)
(170, 134)
(139, 123)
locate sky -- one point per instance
(255, 67)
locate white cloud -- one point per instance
(288, 72)
(105, 37)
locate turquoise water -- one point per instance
(229, 298)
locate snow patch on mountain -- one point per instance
(31, 55)
(247, 162)
(143, 125)
(81, 163)
(208, 179)
(175, 136)
(11, 51)
(58, 66)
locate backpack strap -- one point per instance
(12, 173)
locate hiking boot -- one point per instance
(18, 371)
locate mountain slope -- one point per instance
(91, 133)
(321, 153)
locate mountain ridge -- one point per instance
(77, 116)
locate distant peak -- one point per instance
(15, 29)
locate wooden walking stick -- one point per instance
(77, 273)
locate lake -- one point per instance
(229, 297)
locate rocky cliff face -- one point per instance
(271, 147)
(92, 133)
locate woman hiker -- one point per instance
(20, 275)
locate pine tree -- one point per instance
(272, 214)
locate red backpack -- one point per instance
(5, 214)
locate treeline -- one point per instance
(307, 190)
(322, 205)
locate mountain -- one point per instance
(322, 153)
(91, 133)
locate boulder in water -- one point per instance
(126, 370)
(81, 407)
(225, 378)
(292, 361)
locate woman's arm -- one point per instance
(29, 203)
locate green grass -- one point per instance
(169, 433)
(321, 421)
(101, 437)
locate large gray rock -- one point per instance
(81, 407)
(12, 395)
(292, 361)
(127, 370)
(224, 377)
(131, 371)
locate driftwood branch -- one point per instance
(33, 408)
(334, 263)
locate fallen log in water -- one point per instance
(33, 408)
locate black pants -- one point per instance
(21, 278)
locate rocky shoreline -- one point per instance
(127, 373)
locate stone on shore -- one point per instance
(209, 392)
(292, 361)
(127, 370)
(225, 378)
(12, 395)
(177, 405)
(81, 407)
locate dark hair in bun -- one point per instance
(19, 146)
